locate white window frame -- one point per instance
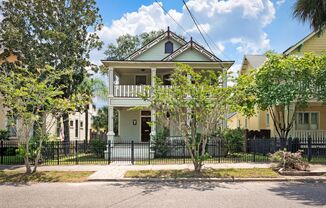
(310, 112)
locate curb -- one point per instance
(210, 180)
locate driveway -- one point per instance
(164, 194)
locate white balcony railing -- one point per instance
(131, 90)
(314, 134)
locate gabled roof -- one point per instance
(298, 44)
(167, 34)
(194, 45)
(256, 60)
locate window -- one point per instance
(141, 80)
(166, 79)
(58, 130)
(239, 124)
(71, 124)
(246, 123)
(81, 124)
(267, 119)
(12, 125)
(169, 47)
(307, 121)
(76, 128)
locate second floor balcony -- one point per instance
(132, 91)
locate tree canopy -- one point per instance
(126, 44)
(196, 104)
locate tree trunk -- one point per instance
(26, 159)
(197, 166)
(66, 133)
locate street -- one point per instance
(164, 194)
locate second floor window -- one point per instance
(140, 80)
(169, 47)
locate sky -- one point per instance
(234, 27)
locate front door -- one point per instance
(145, 129)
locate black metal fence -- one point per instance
(171, 152)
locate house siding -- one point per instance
(191, 54)
(316, 44)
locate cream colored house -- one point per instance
(310, 121)
(128, 78)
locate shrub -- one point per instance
(289, 160)
(160, 146)
(235, 139)
(4, 134)
(98, 146)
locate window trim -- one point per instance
(309, 112)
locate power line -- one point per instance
(193, 19)
(199, 27)
(166, 12)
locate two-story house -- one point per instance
(128, 78)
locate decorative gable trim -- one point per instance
(194, 45)
(300, 43)
(167, 34)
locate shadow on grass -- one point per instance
(20, 178)
(149, 187)
(309, 193)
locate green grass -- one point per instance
(44, 177)
(206, 173)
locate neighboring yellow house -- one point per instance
(312, 120)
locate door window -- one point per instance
(141, 80)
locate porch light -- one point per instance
(134, 122)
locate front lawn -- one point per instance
(206, 173)
(44, 176)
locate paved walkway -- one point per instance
(117, 171)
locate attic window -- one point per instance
(169, 47)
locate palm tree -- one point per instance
(312, 11)
(90, 88)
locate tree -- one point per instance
(30, 95)
(311, 11)
(195, 104)
(126, 44)
(100, 121)
(90, 88)
(57, 33)
(282, 86)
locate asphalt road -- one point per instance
(164, 194)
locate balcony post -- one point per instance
(153, 76)
(111, 81)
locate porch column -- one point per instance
(111, 81)
(153, 112)
(110, 124)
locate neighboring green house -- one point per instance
(128, 78)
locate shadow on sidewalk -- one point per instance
(150, 186)
(309, 193)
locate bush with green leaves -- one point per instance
(4, 134)
(235, 139)
(98, 146)
(159, 143)
(288, 160)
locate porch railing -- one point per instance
(314, 134)
(131, 90)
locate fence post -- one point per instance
(109, 152)
(1, 152)
(132, 152)
(184, 152)
(58, 153)
(219, 150)
(254, 147)
(290, 149)
(309, 149)
(149, 152)
(76, 151)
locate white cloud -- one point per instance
(238, 24)
(280, 2)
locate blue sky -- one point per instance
(237, 27)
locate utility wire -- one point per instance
(200, 29)
(166, 12)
